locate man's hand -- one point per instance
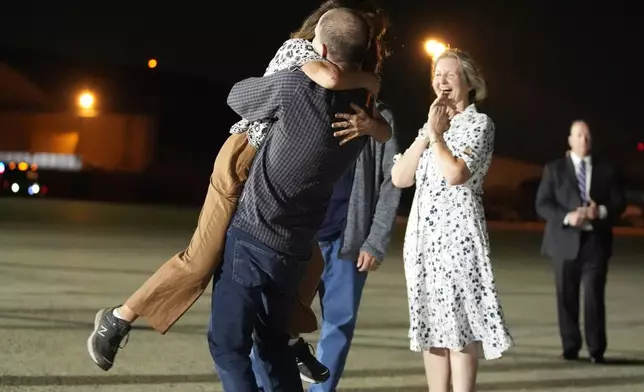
(592, 211)
(366, 262)
(355, 125)
(578, 217)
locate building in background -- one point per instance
(69, 136)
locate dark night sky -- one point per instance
(546, 63)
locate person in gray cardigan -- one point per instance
(353, 239)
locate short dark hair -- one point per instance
(379, 24)
(307, 30)
(346, 34)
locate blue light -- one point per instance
(1, 167)
(33, 189)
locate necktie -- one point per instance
(581, 181)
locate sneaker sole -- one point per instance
(312, 381)
(97, 359)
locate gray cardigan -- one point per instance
(373, 203)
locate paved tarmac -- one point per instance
(61, 261)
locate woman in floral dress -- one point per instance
(455, 314)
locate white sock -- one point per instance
(116, 314)
(291, 341)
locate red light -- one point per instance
(640, 147)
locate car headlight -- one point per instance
(33, 189)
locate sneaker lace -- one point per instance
(119, 341)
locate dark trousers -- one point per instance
(589, 270)
(252, 299)
(340, 292)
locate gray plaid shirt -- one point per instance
(292, 177)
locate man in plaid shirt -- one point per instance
(282, 207)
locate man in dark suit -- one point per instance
(580, 197)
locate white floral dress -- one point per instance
(450, 284)
(292, 54)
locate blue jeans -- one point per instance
(340, 293)
(251, 304)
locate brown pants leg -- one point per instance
(303, 319)
(180, 281)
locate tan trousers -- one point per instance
(180, 281)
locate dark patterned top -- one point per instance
(292, 54)
(292, 177)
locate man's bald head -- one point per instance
(345, 35)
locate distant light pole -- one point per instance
(86, 103)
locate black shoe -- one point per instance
(311, 370)
(106, 338)
(570, 356)
(598, 360)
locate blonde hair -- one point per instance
(469, 71)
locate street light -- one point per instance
(86, 104)
(152, 63)
(86, 100)
(435, 48)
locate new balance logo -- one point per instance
(102, 330)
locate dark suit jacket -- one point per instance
(558, 194)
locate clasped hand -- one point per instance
(583, 215)
(437, 119)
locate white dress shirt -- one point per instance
(576, 161)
